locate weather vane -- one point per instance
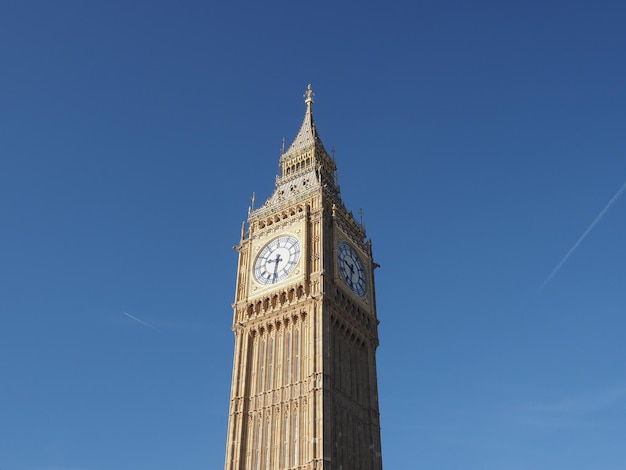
(309, 94)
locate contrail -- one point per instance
(140, 321)
(582, 237)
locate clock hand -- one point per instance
(277, 260)
(351, 266)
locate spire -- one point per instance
(309, 96)
(305, 166)
(307, 151)
(307, 136)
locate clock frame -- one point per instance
(276, 260)
(351, 269)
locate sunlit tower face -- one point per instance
(304, 389)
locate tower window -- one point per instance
(286, 450)
(296, 339)
(295, 439)
(271, 363)
(288, 357)
(262, 367)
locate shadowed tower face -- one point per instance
(304, 391)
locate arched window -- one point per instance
(271, 363)
(296, 348)
(257, 452)
(295, 438)
(262, 366)
(286, 442)
(287, 357)
(268, 440)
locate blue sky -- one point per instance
(482, 139)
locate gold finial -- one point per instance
(309, 95)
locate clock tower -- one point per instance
(304, 389)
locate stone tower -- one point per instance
(304, 390)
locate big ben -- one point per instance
(304, 388)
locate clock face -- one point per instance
(276, 260)
(351, 268)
